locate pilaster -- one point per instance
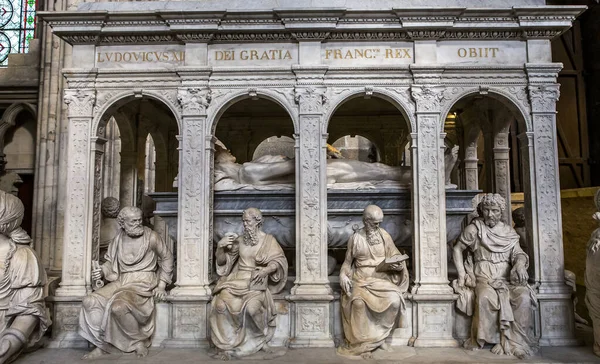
(432, 295)
(311, 293)
(556, 307)
(77, 233)
(194, 232)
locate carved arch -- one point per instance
(515, 99)
(286, 102)
(112, 101)
(404, 104)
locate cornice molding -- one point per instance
(103, 27)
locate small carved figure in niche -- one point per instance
(252, 267)
(492, 283)
(23, 315)
(119, 317)
(373, 280)
(109, 227)
(592, 278)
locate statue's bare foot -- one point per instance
(94, 354)
(469, 345)
(520, 354)
(497, 349)
(386, 347)
(367, 355)
(141, 351)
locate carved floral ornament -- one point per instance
(80, 102)
(543, 98)
(310, 100)
(194, 101)
(428, 98)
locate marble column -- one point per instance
(191, 296)
(129, 178)
(471, 162)
(311, 293)
(431, 293)
(501, 153)
(194, 233)
(75, 282)
(556, 307)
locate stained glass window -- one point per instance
(17, 27)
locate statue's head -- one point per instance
(110, 207)
(223, 155)
(130, 220)
(10, 182)
(372, 216)
(11, 213)
(492, 207)
(252, 218)
(518, 216)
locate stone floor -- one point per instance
(580, 354)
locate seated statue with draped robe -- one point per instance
(373, 291)
(23, 315)
(119, 317)
(252, 268)
(492, 283)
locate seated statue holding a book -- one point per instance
(252, 267)
(373, 279)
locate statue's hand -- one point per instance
(461, 280)
(260, 276)
(397, 266)
(160, 294)
(519, 275)
(346, 284)
(227, 241)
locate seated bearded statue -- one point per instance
(119, 317)
(252, 268)
(373, 286)
(492, 283)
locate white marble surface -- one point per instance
(481, 52)
(244, 55)
(280, 4)
(367, 53)
(135, 56)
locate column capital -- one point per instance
(80, 102)
(428, 98)
(194, 100)
(543, 98)
(310, 99)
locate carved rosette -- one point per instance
(80, 102)
(194, 101)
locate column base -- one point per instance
(313, 320)
(557, 320)
(311, 290)
(66, 323)
(434, 316)
(72, 291)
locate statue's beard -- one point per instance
(135, 231)
(373, 235)
(491, 222)
(251, 236)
